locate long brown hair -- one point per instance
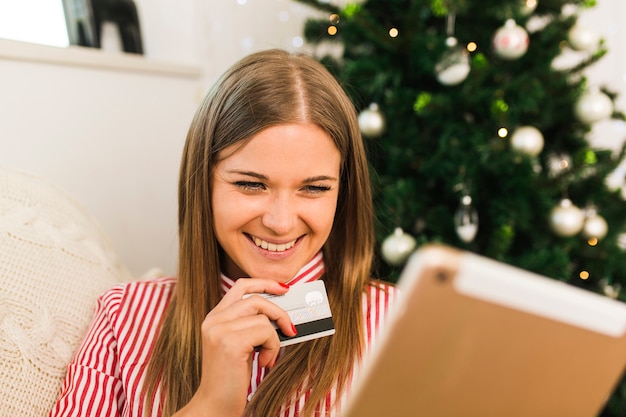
(264, 89)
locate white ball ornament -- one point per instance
(582, 38)
(592, 106)
(397, 247)
(595, 227)
(527, 140)
(510, 41)
(566, 219)
(454, 65)
(372, 121)
(616, 180)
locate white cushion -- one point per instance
(54, 262)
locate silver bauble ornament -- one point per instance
(397, 247)
(466, 220)
(595, 226)
(454, 65)
(510, 41)
(593, 106)
(566, 219)
(527, 140)
(372, 121)
(582, 38)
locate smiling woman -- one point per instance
(46, 26)
(274, 193)
(276, 211)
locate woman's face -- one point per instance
(274, 200)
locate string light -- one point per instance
(393, 32)
(592, 241)
(503, 132)
(334, 19)
(332, 30)
(472, 47)
(584, 275)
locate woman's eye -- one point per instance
(250, 185)
(316, 189)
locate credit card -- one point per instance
(308, 308)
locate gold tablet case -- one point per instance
(476, 337)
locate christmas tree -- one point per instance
(478, 138)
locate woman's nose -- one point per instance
(280, 215)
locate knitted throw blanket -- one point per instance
(54, 262)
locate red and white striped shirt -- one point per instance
(105, 377)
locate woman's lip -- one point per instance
(272, 246)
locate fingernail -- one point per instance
(282, 284)
(294, 329)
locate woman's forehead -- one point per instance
(295, 147)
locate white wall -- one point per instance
(112, 137)
(215, 33)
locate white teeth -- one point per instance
(273, 247)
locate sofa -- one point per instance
(54, 262)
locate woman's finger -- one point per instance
(245, 286)
(252, 306)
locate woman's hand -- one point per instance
(230, 334)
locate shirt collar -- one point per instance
(312, 271)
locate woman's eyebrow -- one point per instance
(248, 174)
(320, 178)
(265, 178)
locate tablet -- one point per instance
(471, 336)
